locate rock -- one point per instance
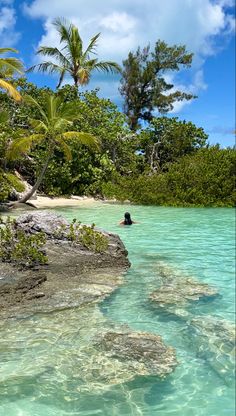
(27, 186)
(214, 341)
(16, 285)
(74, 275)
(83, 356)
(181, 293)
(176, 294)
(4, 207)
(140, 349)
(13, 196)
(56, 228)
(47, 222)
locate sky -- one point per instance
(206, 27)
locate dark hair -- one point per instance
(128, 220)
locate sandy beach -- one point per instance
(73, 201)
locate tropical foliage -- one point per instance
(51, 127)
(72, 59)
(8, 67)
(206, 178)
(66, 142)
(166, 140)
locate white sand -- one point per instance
(74, 201)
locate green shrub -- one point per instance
(5, 189)
(20, 248)
(87, 236)
(206, 178)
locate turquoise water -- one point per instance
(38, 353)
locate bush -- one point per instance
(5, 189)
(87, 236)
(20, 248)
(206, 178)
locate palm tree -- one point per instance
(72, 59)
(8, 67)
(55, 117)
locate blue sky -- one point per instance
(206, 27)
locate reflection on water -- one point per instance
(48, 368)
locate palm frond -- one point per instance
(52, 107)
(108, 67)
(55, 53)
(12, 64)
(49, 67)
(84, 138)
(23, 145)
(64, 29)
(84, 75)
(74, 46)
(92, 45)
(64, 147)
(31, 101)
(6, 50)
(69, 111)
(5, 85)
(38, 125)
(61, 124)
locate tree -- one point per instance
(72, 59)
(8, 67)
(143, 84)
(168, 139)
(50, 128)
(88, 169)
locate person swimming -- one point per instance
(127, 219)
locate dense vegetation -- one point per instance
(19, 248)
(65, 142)
(206, 178)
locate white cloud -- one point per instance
(8, 35)
(118, 22)
(124, 25)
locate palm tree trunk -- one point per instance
(38, 182)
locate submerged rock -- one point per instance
(176, 294)
(181, 292)
(214, 341)
(139, 349)
(88, 353)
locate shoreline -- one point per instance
(54, 202)
(41, 201)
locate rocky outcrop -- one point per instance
(73, 275)
(64, 254)
(102, 353)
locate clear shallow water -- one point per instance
(38, 354)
